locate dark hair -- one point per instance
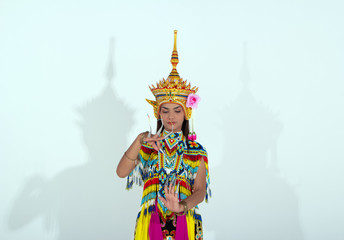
(185, 129)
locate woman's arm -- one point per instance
(130, 157)
(199, 187)
(197, 196)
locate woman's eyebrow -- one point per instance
(166, 108)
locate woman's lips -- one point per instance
(171, 123)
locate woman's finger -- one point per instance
(153, 139)
(163, 200)
(166, 190)
(153, 143)
(175, 192)
(149, 140)
(155, 146)
(171, 188)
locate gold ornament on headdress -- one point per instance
(173, 89)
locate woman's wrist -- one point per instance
(183, 208)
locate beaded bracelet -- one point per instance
(185, 208)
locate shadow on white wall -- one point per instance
(256, 203)
(86, 201)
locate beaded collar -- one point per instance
(170, 161)
(172, 141)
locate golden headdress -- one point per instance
(173, 89)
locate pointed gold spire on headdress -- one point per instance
(173, 89)
(174, 60)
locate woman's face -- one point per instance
(172, 114)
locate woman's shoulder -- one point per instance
(196, 148)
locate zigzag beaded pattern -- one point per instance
(152, 171)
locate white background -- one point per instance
(74, 76)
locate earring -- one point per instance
(192, 135)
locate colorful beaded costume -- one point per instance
(177, 163)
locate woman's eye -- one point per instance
(164, 112)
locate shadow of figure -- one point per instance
(86, 201)
(256, 202)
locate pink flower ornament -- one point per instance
(192, 136)
(192, 100)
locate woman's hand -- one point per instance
(171, 201)
(154, 140)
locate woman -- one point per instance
(172, 166)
